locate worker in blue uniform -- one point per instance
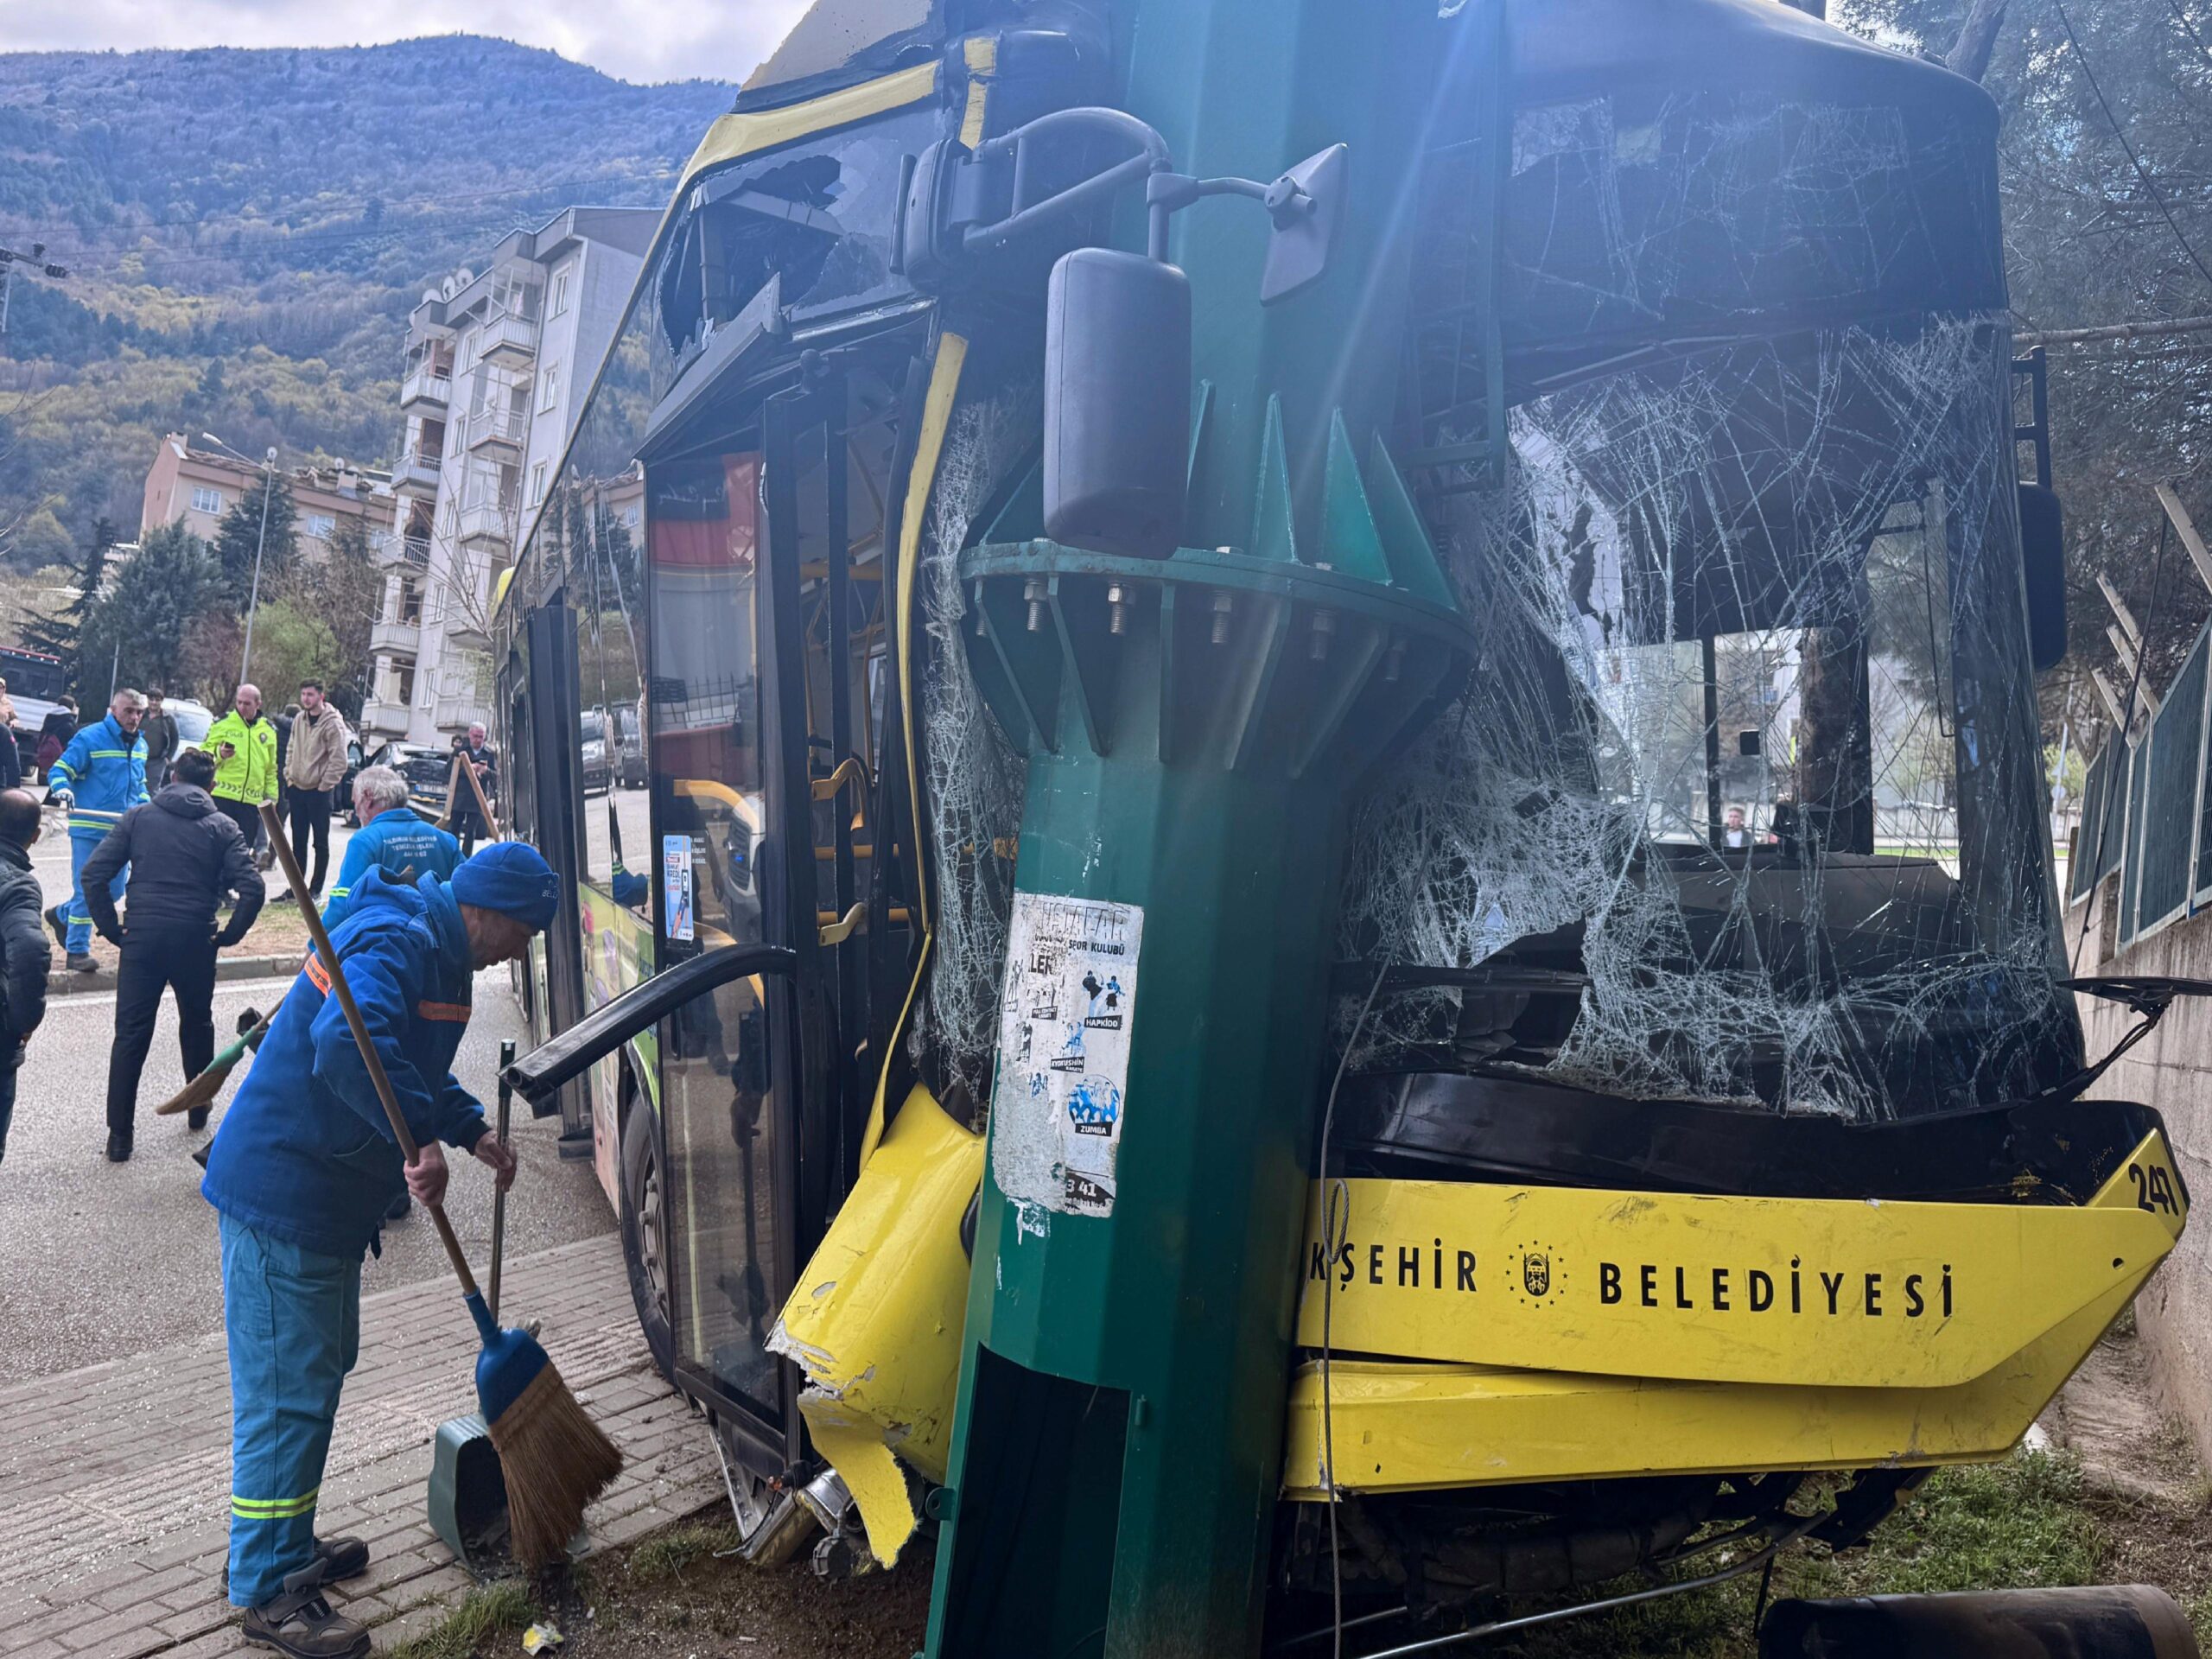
(100, 776)
(392, 838)
(302, 1170)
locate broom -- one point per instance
(203, 1089)
(554, 1458)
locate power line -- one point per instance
(2133, 160)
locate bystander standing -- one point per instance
(184, 858)
(315, 762)
(461, 812)
(162, 741)
(23, 947)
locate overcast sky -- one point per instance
(637, 40)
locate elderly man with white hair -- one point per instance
(392, 838)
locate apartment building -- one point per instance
(196, 487)
(498, 362)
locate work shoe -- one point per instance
(342, 1558)
(80, 962)
(196, 1118)
(118, 1147)
(200, 1152)
(60, 923)
(299, 1623)
(284, 898)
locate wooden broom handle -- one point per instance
(476, 789)
(343, 993)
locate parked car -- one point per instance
(344, 797)
(428, 771)
(593, 760)
(630, 750)
(194, 720)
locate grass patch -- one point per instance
(2018, 1524)
(491, 1609)
(666, 1555)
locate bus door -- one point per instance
(543, 745)
(758, 740)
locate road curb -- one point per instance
(62, 983)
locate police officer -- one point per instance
(100, 776)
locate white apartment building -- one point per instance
(499, 364)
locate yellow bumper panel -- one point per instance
(1803, 1292)
(1582, 1355)
(876, 1319)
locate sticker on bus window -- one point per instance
(1068, 1008)
(676, 884)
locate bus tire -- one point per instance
(644, 1235)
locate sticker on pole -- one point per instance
(1068, 1006)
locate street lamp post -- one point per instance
(261, 541)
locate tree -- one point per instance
(240, 535)
(62, 632)
(291, 643)
(346, 591)
(141, 625)
(40, 539)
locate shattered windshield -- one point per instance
(1751, 758)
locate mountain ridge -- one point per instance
(246, 229)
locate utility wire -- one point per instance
(2141, 172)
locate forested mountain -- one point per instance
(247, 231)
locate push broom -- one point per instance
(203, 1089)
(554, 1458)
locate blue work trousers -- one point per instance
(294, 1321)
(83, 843)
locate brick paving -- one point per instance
(115, 1479)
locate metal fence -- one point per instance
(2146, 811)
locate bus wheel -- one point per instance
(644, 1235)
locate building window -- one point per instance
(206, 501)
(549, 388)
(321, 526)
(560, 301)
(538, 483)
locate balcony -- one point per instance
(487, 523)
(383, 719)
(508, 339)
(402, 639)
(417, 473)
(427, 384)
(498, 429)
(459, 714)
(407, 550)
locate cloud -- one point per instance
(636, 39)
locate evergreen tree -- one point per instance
(63, 634)
(241, 534)
(136, 632)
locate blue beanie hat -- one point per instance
(510, 877)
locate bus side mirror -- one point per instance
(2042, 568)
(1117, 403)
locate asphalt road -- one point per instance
(99, 1261)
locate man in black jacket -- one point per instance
(184, 855)
(24, 951)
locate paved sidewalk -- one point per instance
(115, 1479)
